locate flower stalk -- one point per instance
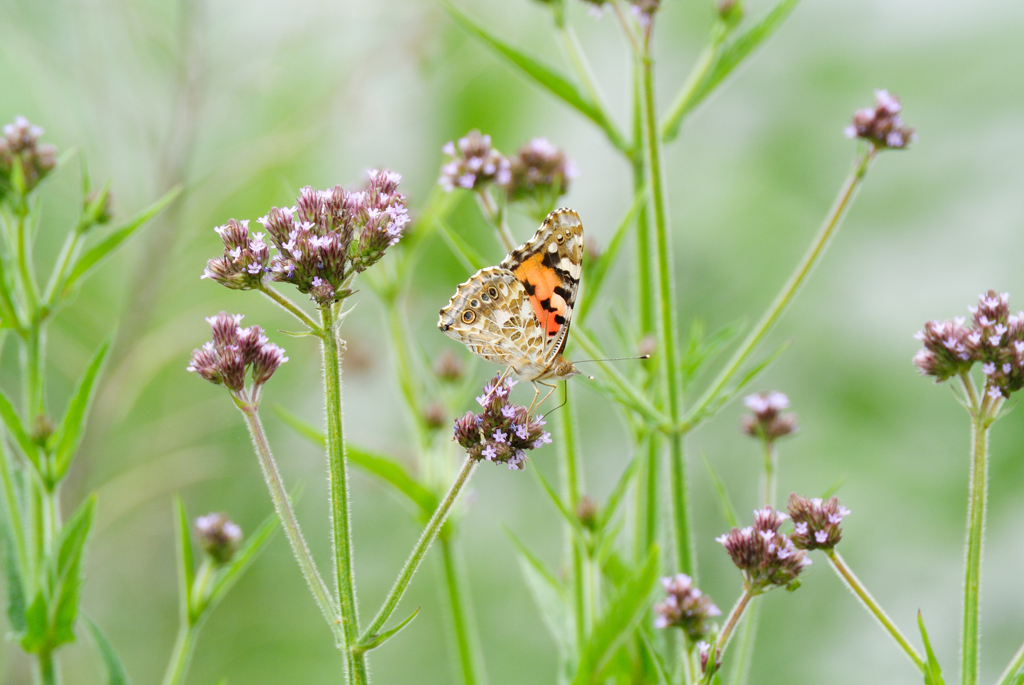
(722, 641)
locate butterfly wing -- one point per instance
(492, 315)
(549, 266)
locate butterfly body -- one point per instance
(518, 312)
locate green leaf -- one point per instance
(67, 590)
(700, 351)
(618, 493)
(34, 638)
(543, 74)
(462, 250)
(660, 668)
(569, 516)
(933, 672)
(551, 598)
(10, 418)
(378, 640)
(15, 584)
(727, 59)
(385, 468)
(597, 273)
(618, 622)
(723, 496)
(95, 255)
(186, 563)
(116, 675)
(69, 433)
(246, 554)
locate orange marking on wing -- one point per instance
(543, 281)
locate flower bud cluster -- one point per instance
(881, 124)
(644, 10)
(321, 242)
(540, 169)
(502, 433)
(767, 421)
(764, 555)
(995, 338)
(234, 353)
(219, 536)
(474, 164)
(816, 522)
(685, 607)
(20, 142)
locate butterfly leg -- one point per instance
(537, 392)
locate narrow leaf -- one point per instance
(618, 493)
(617, 385)
(380, 639)
(18, 432)
(550, 597)
(569, 516)
(723, 496)
(597, 272)
(116, 675)
(69, 433)
(36, 623)
(384, 468)
(543, 74)
(660, 668)
(15, 584)
(933, 672)
(462, 250)
(618, 622)
(68, 589)
(243, 558)
(186, 563)
(103, 249)
(701, 351)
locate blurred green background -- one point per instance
(247, 101)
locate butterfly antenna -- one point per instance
(612, 359)
(565, 398)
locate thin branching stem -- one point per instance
(463, 627)
(1013, 668)
(722, 642)
(289, 306)
(869, 602)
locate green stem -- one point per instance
(24, 258)
(668, 344)
(731, 621)
(570, 476)
(338, 482)
(289, 306)
(789, 290)
(497, 218)
(747, 638)
(181, 655)
(1013, 668)
(419, 551)
(67, 254)
(470, 660)
(32, 365)
(771, 472)
(684, 101)
(47, 671)
(647, 496)
(981, 420)
(852, 582)
(12, 512)
(290, 524)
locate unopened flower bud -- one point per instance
(586, 512)
(219, 536)
(685, 607)
(448, 367)
(20, 145)
(704, 650)
(816, 522)
(435, 415)
(98, 207)
(767, 420)
(42, 429)
(881, 125)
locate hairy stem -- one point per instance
(731, 621)
(1013, 668)
(289, 306)
(869, 602)
(789, 290)
(338, 483)
(497, 218)
(290, 524)
(181, 655)
(771, 472)
(569, 465)
(47, 671)
(419, 551)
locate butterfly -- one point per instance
(518, 312)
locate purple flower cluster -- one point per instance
(234, 352)
(685, 607)
(816, 522)
(767, 420)
(764, 555)
(881, 124)
(20, 142)
(541, 169)
(503, 432)
(474, 164)
(995, 338)
(219, 536)
(328, 237)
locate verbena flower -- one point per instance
(448, 367)
(219, 536)
(765, 556)
(685, 607)
(474, 164)
(542, 171)
(816, 522)
(767, 420)
(20, 142)
(236, 353)
(434, 415)
(881, 124)
(644, 10)
(994, 338)
(321, 243)
(503, 432)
